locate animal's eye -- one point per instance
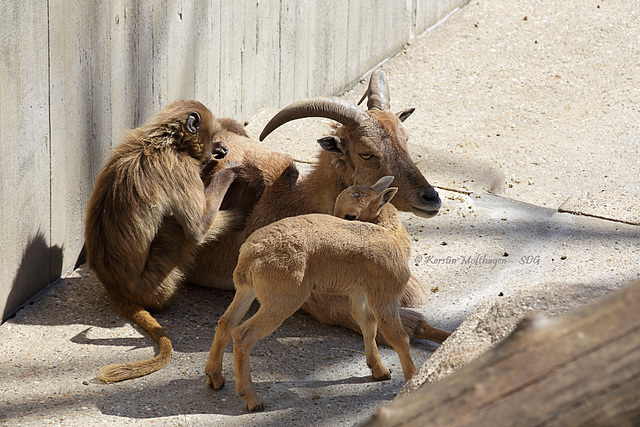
(356, 195)
(366, 156)
(193, 122)
(349, 217)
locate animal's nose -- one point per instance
(429, 196)
(220, 151)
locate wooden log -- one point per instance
(582, 368)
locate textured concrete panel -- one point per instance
(27, 261)
(81, 126)
(426, 13)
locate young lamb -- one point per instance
(282, 263)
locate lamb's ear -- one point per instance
(383, 198)
(404, 114)
(387, 195)
(383, 183)
(333, 144)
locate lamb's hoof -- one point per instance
(256, 407)
(383, 376)
(216, 382)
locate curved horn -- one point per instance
(377, 92)
(339, 110)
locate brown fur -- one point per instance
(148, 212)
(262, 170)
(284, 193)
(284, 262)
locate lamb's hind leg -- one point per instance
(390, 325)
(261, 324)
(229, 320)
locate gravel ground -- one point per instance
(536, 100)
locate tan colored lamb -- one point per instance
(282, 263)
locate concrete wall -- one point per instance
(75, 74)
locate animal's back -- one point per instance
(322, 250)
(122, 219)
(357, 255)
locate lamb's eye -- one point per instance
(366, 156)
(349, 217)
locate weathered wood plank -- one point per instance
(231, 42)
(619, 404)
(123, 81)
(143, 51)
(215, 56)
(249, 55)
(203, 49)
(548, 370)
(321, 41)
(355, 40)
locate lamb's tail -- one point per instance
(242, 270)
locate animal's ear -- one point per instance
(333, 144)
(193, 122)
(404, 114)
(387, 195)
(383, 183)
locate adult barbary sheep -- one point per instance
(283, 263)
(367, 146)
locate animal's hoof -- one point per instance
(216, 382)
(382, 376)
(256, 407)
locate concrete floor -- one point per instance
(536, 101)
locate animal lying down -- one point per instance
(364, 147)
(361, 252)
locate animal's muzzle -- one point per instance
(427, 204)
(219, 151)
(430, 199)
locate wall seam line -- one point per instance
(49, 137)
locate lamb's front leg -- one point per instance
(389, 321)
(365, 318)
